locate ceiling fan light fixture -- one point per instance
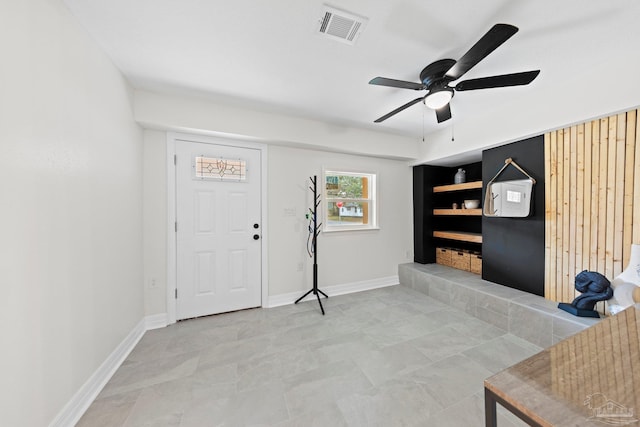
(436, 77)
(438, 98)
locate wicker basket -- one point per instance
(476, 263)
(443, 256)
(461, 260)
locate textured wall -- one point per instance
(71, 191)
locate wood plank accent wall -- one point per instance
(592, 197)
(598, 360)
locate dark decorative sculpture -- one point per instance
(594, 287)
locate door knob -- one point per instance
(256, 236)
(256, 226)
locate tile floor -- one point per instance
(387, 357)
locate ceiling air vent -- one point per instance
(340, 25)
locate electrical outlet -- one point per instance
(300, 266)
(152, 283)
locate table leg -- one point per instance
(490, 419)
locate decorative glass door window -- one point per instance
(220, 169)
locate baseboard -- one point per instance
(156, 321)
(80, 402)
(345, 288)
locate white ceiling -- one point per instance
(266, 54)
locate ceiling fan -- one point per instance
(435, 77)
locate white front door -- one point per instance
(219, 234)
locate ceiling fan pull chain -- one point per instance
(452, 138)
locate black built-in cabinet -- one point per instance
(425, 178)
(512, 248)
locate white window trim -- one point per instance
(374, 200)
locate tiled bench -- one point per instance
(525, 315)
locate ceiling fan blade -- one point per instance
(444, 113)
(515, 79)
(397, 110)
(383, 81)
(497, 35)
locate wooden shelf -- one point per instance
(455, 212)
(459, 235)
(458, 187)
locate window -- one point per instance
(350, 201)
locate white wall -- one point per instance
(71, 189)
(293, 155)
(344, 258)
(155, 222)
(473, 136)
(182, 113)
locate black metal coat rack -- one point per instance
(315, 230)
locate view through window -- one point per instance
(350, 200)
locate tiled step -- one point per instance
(525, 315)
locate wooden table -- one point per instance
(589, 379)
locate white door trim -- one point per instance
(172, 251)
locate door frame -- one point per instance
(172, 246)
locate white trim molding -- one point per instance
(172, 251)
(345, 288)
(156, 321)
(84, 397)
(80, 402)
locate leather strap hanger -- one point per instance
(507, 162)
